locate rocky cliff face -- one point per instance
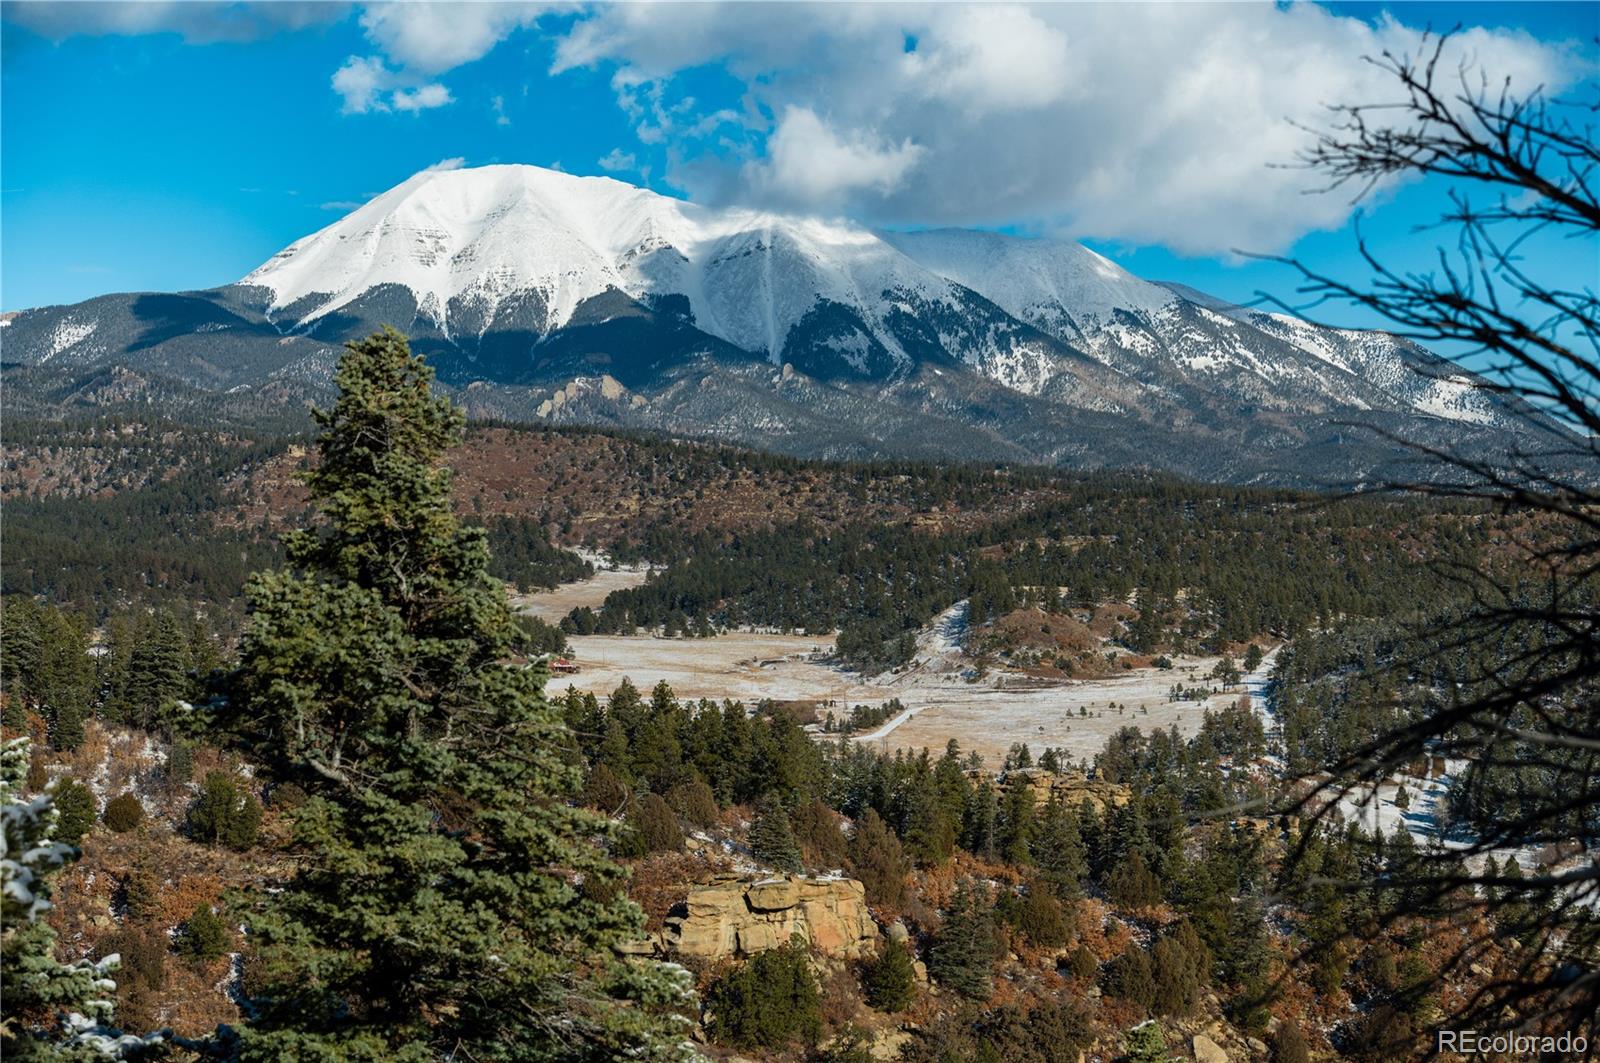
(1073, 788)
(736, 916)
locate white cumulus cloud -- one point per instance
(415, 41)
(617, 160)
(810, 164)
(198, 22)
(366, 84)
(434, 37)
(422, 98)
(361, 82)
(1150, 123)
(1165, 123)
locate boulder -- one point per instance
(773, 895)
(1208, 1051)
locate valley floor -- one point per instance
(550, 606)
(944, 695)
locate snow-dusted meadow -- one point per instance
(944, 697)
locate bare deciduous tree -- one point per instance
(1502, 683)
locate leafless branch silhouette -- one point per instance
(1504, 682)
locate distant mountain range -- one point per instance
(543, 296)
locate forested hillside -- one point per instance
(105, 515)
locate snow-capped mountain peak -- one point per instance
(520, 250)
(474, 237)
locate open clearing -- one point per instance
(551, 606)
(944, 699)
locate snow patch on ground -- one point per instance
(68, 333)
(1456, 399)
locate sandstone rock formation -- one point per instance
(1074, 788)
(736, 916)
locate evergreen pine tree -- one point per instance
(1041, 920)
(75, 810)
(772, 840)
(1083, 964)
(451, 900)
(980, 822)
(657, 825)
(891, 982)
(695, 802)
(1130, 978)
(1132, 885)
(816, 829)
(963, 949)
(204, 936)
(1059, 851)
(226, 813)
(21, 653)
(1018, 821)
(158, 671)
(1146, 1045)
(930, 829)
(45, 666)
(1179, 962)
(768, 1001)
(876, 859)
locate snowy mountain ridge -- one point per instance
(537, 295)
(474, 247)
(472, 237)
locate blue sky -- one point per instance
(167, 147)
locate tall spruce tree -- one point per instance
(963, 949)
(1018, 820)
(450, 900)
(158, 670)
(1059, 851)
(891, 981)
(878, 861)
(772, 839)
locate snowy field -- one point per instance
(944, 698)
(551, 606)
(747, 666)
(989, 715)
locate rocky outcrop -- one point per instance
(606, 386)
(736, 916)
(1073, 788)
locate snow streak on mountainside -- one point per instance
(1061, 287)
